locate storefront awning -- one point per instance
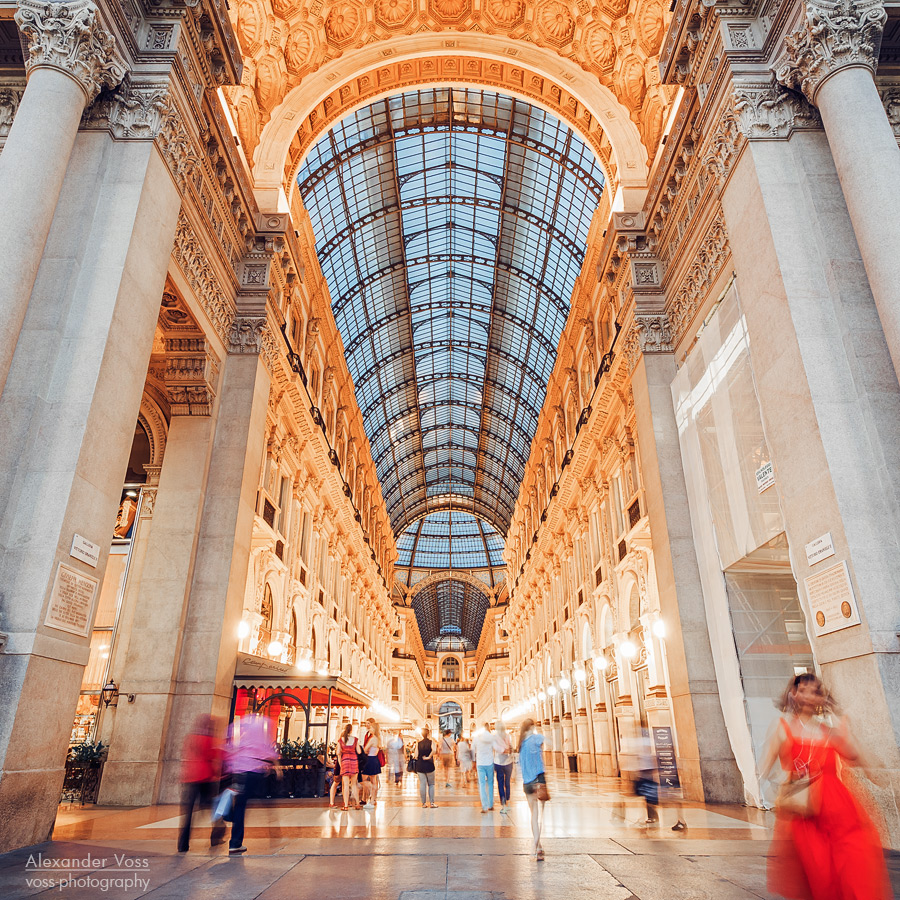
(261, 674)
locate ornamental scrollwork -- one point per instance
(69, 37)
(769, 110)
(833, 36)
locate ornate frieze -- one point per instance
(724, 146)
(192, 259)
(833, 36)
(246, 334)
(704, 269)
(69, 37)
(768, 110)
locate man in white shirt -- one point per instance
(483, 744)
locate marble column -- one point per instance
(832, 59)
(133, 768)
(830, 404)
(206, 659)
(69, 59)
(67, 418)
(705, 760)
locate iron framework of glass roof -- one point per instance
(449, 539)
(450, 609)
(450, 227)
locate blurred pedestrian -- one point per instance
(825, 847)
(395, 757)
(645, 783)
(503, 764)
(483, 744)
(348, 756)
(373, 752)
(447, 748)
(534, 781)
(425, 767)
(335, 776)
(464, 755)
(201, 772)
(249, 759)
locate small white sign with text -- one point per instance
(765, 477)
(85, 550)
(819, 549)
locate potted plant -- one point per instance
(84, 768)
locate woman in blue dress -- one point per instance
(531, 761)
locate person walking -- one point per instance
(534, 782)
(348, 750)
(503, 764)
(200, 775)
(395, 757)
(447, 748)
(374, 753)
(425, 767)
(249, 759)
(824, 846)
(464, 755)
(483, 743)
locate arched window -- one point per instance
(450, 669)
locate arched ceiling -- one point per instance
(594, 63)
(450, 608)
(450, 226)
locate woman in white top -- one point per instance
(464, 755)
(372, 767)
(503, 764)
(447, 751)
(395, 757)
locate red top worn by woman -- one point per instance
(202, 759)
(835, 854)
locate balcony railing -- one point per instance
(455, 686)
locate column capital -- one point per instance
(191, 374)
(766, 110)
(833, 36)
(69, 37)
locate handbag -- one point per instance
(542, 793)
(382, 759)
(223, 805)
(798, 798)
(411, 764)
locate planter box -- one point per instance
(300, 778)
(82, 782)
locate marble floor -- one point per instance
(595, 842)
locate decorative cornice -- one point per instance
(69, 37)
(768, 110)
(191, 375)
(833, 36)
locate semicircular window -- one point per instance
(450, 226)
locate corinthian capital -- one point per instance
(69, 37)
(833, 36)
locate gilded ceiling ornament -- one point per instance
(601, 47)
(249, 26)
(614, 8)
(507, 13)
(342, 22)
(651, 27)
(298, 52)
(391, 13)
(555, 21)
(449, 9)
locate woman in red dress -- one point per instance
(830, 850)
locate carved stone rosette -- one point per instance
(69, 37)
(833, 36)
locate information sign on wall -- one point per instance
(819, 549)
(85, 550)
(765, 477)
(832, 602)
(665, 757)
(71, 601)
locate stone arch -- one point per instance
(535, 74)
(607, 626)
(153, 421)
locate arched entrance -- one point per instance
(450, 717)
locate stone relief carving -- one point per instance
(190, 256)
(10, 97)
(890, 97)
(191, 376)
(833, 35)
(129, 111)
(703, 271)
(724, 147)
(654, 333)
(246, 334)
(69, 37)
(555, 21)
(769, 110)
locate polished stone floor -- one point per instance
(596, 847)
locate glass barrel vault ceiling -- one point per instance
(450, 227)
(450, 609)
